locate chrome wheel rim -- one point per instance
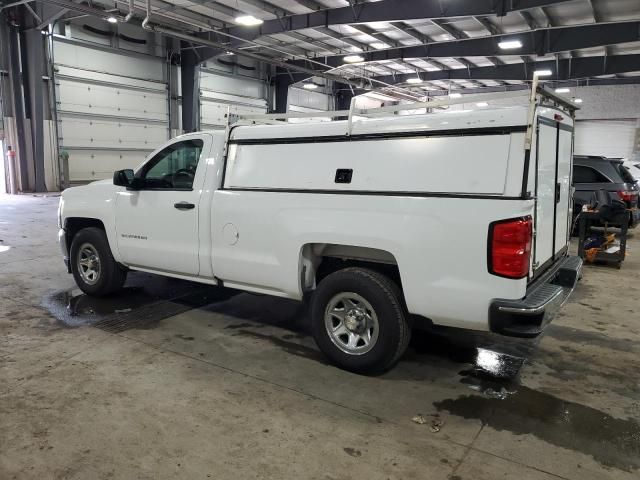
(351, 323)
(89, 263)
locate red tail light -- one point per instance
(510, 247)
(628, 195)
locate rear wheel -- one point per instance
(359, 321)
(92, 264)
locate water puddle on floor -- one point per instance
(611, 441)
(142, 303)
(73, 308)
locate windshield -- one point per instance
(624, 173)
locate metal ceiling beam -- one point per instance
(268, 7)
(388, 11)
(539, 42)
(311, 4)
(564, 69)
(381, 37)
(598, 17)
(349, 41)
(527, 17)
(450, 29)
(547, 17)
(488, 26)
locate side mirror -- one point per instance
(123, 178)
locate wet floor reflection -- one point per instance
(611, 441)
(145, 300)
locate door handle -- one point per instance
(184, 206)
(558, 186)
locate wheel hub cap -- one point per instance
(351, 323)
(355, 320)
(88, 264)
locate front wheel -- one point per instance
(92, 264)
(359, 321)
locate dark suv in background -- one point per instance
(592, 173)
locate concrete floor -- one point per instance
(175, 380)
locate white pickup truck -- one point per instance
(458, 219)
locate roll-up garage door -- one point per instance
(112, 109)
(221, 92)
(610, 138)
(303, 101)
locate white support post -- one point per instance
(352, 106)
(528, 139)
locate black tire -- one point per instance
(111, 275)
(384, 296)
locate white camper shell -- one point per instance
(457, 219)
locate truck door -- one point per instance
(157, 223)
(554, 149)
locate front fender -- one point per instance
(95, 201)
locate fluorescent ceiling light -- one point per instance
(577, 100)
(562, 90)
(112, 19)
(248, 20)
(482, 104)
(378, 45)
(309, 86)
(353, 59)
(455, 95)
(542, 73)
(414, 80)
(510, 44)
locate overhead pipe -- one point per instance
(130, 14)
(78, 7)
(245, 53)
(15, 4)
(147, 25)
(147, 19)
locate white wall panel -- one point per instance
(112, 108)
(113, 63)
(234, 85)
(87, 165)
(78, 96)
(213, 114)
(310, 100)
(220, 93)
(611, 138)
(81, 132)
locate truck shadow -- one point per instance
(149, 299)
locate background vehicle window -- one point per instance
(588, 175)
(174, 167)
(624, 173)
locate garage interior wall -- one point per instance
(112, 103)
(237, 86)
(306, 101)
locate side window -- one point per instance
(173, 168)
(588, 175)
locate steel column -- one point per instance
(190, 91)
(282, 83)
(18, 109)
(34, 71)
